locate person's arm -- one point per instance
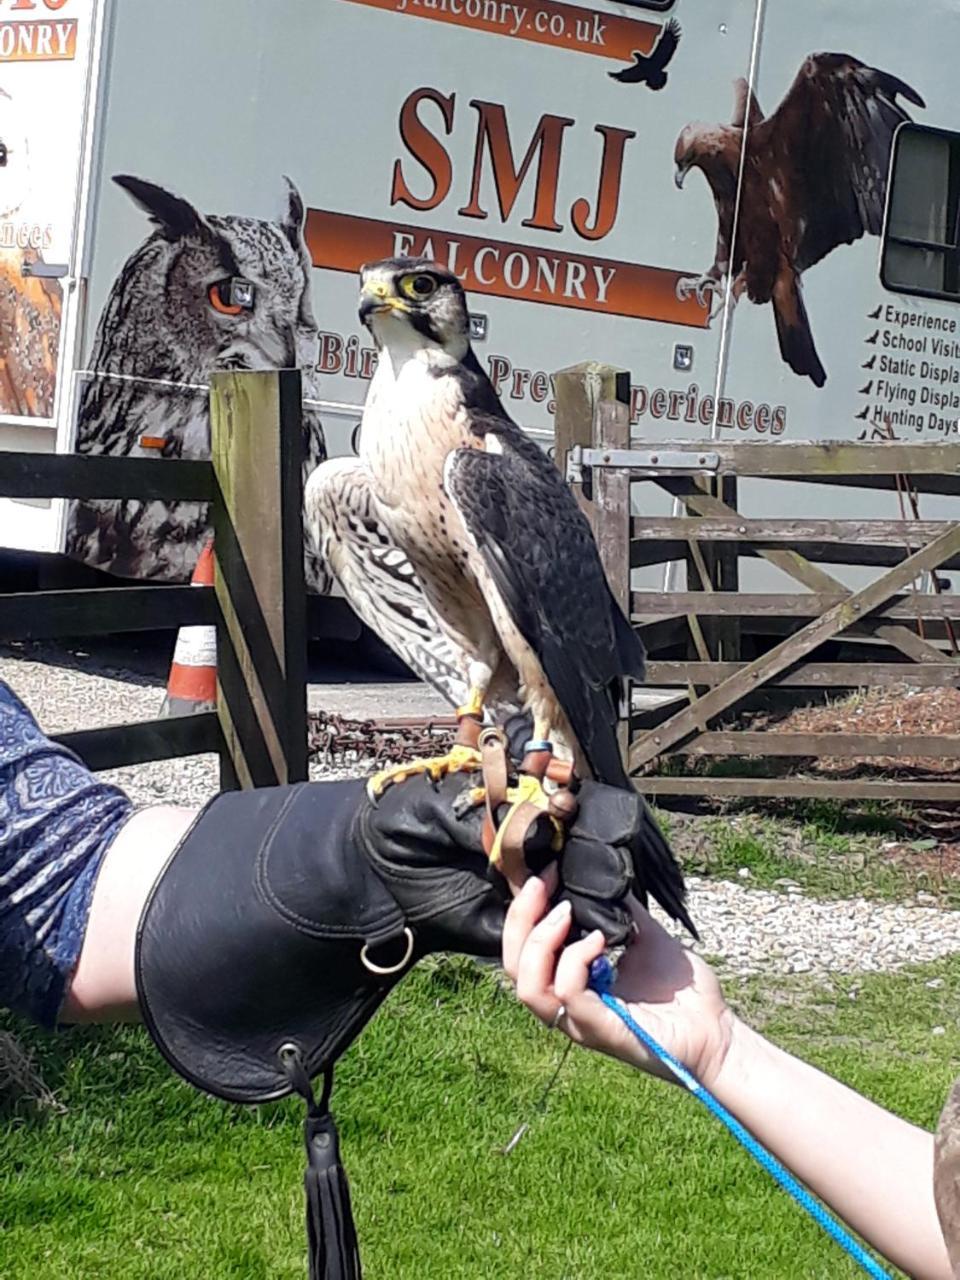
(102, 987)
(871, 1167)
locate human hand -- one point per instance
(671, 992)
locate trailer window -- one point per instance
(921, 249)
(650, 4)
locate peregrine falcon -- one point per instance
(461, 544)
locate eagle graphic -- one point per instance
(650, 69)
(814, 177)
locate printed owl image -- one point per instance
(30, 307)
(202, 293)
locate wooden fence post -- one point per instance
(593, 410)
(257, 455)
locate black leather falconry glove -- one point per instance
(287, 914)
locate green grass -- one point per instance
(827, 855)
(141, 1177)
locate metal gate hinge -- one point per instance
(653, 462)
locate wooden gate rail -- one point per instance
(802, 789)
(829, 624)
(658, 539)
(808, 675)
(43, 615)
(598, 457)
(933, 468)
(254, 485)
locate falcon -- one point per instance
(458, 541)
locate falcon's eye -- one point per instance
(231, 296)
(3, 155)
(420, 287)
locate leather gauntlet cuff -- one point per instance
(251, 941)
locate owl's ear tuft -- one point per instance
(292, 221)
(174, 216)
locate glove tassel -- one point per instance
(331, 1235)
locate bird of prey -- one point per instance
(457, 540)
(814, 177)
(650, 68)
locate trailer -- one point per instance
(751, 206)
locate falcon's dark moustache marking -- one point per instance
(478, 395)
(420, 320)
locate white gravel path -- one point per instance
(760, 931)
(751, 931)
(65, 698)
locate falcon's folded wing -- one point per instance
(540, 552)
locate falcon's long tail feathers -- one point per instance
(663, 879)
(633, 656)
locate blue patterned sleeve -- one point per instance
(56, 823)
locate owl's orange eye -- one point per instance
(232, 296)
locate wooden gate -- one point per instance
(894, 633)
(255, 489)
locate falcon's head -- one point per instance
(410, 303)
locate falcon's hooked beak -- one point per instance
(376, 298)
(679, 174)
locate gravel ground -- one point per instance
(751, 931)
(758, 931)
(77, 693)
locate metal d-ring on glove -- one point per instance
(286, 915)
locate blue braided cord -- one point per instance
(601, 980)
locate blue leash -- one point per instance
(601, 981)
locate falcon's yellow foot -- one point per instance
(528, 791)
(459, 759)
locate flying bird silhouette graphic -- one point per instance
(865, 391)
(875, 315)
(862, 416)
(650, 69)
(872, 340)
(868, 364)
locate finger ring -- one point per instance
(555, 1020)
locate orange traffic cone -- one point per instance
(192, 685)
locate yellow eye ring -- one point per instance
(419, 286)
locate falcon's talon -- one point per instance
(527, 790)
(459, 759)
(469, 799)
